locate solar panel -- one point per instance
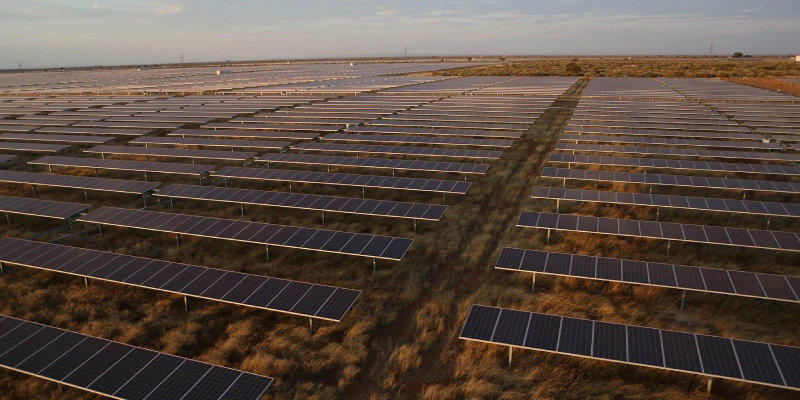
(454, 141)
(582, 130)
(78, 182)
(161, 117)
(354, 180)
(95, 131)
(676, 164)
(6, 157)
(448, 124)
(32, 147)
(140, 125)
(23, 122)
(18, 128)
(752, 238)
(115, 369)
(647, 125)
(392, 130)
(399, 150)
(713, 280)
(122, 165)
(231, 133)
(682, 202)
(667, 151)
(55, 138)
(429, 166)
(672, 180)
(348, 205)
(175, 141)
(177, 153)
(672, 142)
(275, 127)
(316, 301)
(355, 244)
(40, 208)
(658, 348)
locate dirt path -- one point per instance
(511, 181)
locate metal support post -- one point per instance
(444, 198)
(768, 217)
(144, 200)
(533, 283)
(548, 236)
(145, 176)
(708, 387)
(363, 192)
(323, 217)
(683, 299)
(95, 173)
(101, 229)
(669, 242)
(311, 324)
(241, 207)
(85, 195)
(415, 225)
(2, 269)
(267, 253)
(86, 281)
(172, 203)
(8, 219)
(185, 303)
(290, 186)
(658, 213)
(510, 355)
(374, 265)
(226, 182)
(558, 205)
(178, 239)
(33, 189)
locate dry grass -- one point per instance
(401, 338)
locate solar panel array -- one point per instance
(428, 166)
(231, 133)
(339, 179)
(178, 153)
(439, 141)
(384, 208)
(666, 151)
(715, 356)
(281, 295)
(712, 280)
(399, 150)
(772, 240)
(659, 200)
(354, 244)
(173, 141)
(122, 165)
(55, 138)
(676, 164)
(40, 208)
(77, 182)
(115, 369)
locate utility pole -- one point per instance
(19, 63)
(711, 50)
(181, 56)
(405, 51)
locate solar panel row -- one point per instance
(399, 150)
(754, 362)
(431, 212)
(281, 295)
(231, 133)
(77, 182)
(773, 240)
(356, 244)
(672, 180)
(327, 178)
(122, 165)
(115, 369)
(429, 166)
(96, 131)
(55, 138)
(667, 151)
(676, 164)
(658, 200)
(40, 208)
(670, 142)
(349, 137)
(32, 147)
(737, 283)
(661, 133)
(397, 130)
(177, 153)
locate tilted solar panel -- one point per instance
(78, 182)
(753, 362)
(454, 141)
(314, 301)
(676, 164)
(123, 165)
(355, 244)
(176, 141)
(354, 180)
(752, 238)
(668, 151)
(178, 153)
(429, 166)
(672, 180)
(384, 208)
(713, 280)
(232, 133)
(40, 208)
(115, 369)
(399, 150)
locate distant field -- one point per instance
(638, 67)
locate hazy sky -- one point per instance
(90, 32)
